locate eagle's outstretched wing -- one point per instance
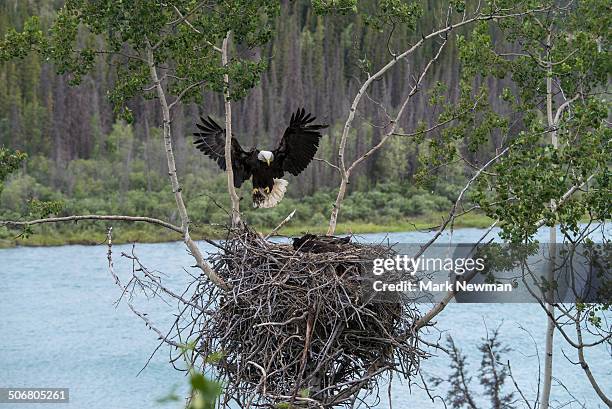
(211, 141)
(298, 145)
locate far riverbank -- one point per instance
(92, 233)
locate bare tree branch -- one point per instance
(124, 290)
(394, 123)
(281, 224)
(451, 216)
(328, 163)
(151, 220)
(345, 174)
(154, 328)
(183, 92)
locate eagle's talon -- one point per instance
(255, 190)
(267, 190)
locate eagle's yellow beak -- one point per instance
(268, 160)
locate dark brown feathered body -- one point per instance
(310, 243)
(264, 175)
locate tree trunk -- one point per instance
(334, 215)
(228, 138)
(176, 188)
(550, 309)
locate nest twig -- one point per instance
(297, 327)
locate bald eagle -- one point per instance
(293, 154)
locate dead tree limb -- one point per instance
(395, 121)
(124, 290)
(114, 217)
(439, 307)
(345, 172)
(442, 32)
(281, 224)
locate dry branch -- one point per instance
(151, 220)
(281, 224)
(439, 33)
(128, 289)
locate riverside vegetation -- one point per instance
(90, 186)
(84, 158)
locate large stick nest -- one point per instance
(297, 325)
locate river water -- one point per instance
(60, 327)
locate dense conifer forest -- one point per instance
(82, 154)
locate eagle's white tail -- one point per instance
(275, 196)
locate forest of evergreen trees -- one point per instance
(80, 154)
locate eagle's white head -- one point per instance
(265, 156)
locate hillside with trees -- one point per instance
(90, 157)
